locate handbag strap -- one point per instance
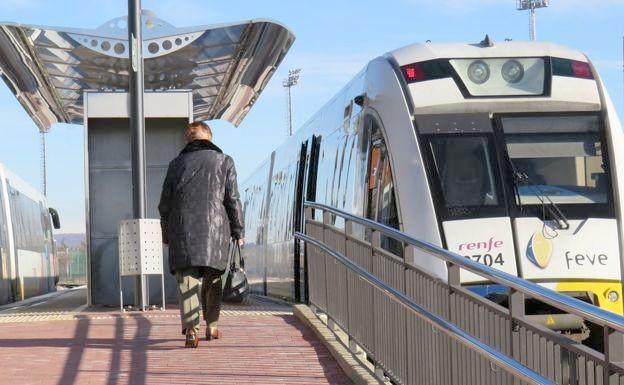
(241, 261)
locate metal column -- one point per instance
(137, 124)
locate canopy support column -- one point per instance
(137, 124)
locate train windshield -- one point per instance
(560, 157)
(465, 169)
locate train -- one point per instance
(508, 153)
(27, 253)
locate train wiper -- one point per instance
(547, 203)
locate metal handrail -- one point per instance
(563, 302)
(510, 365)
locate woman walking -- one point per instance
(201, 214)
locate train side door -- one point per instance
(304, 190)
(5, 255)
(298, 211)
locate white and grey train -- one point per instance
(27, 256)
(507, 153)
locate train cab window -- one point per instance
(372, 188)
(387, 210)
(557, 157)
(381, 200)
(465, 168)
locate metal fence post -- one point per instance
(376, 244)
(517, 309)
(613, 352)
(308, 214)
(326, 221)
(348, 230)
(453, 279)
(409, 254)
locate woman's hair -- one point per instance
(197, 130)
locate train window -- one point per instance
(558, 157)
(387, 211)
(3, 226)
(465, 169)
(27, 226)
(381, 202)
(373, 170)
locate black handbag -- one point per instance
(236, 287)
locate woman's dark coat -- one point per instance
(200, 207)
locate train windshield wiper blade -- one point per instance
(547, 203)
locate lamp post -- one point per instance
(531, 5)
(288, 83)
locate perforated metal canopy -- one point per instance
(226, 66)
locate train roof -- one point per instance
(428, 51)
(419, 52)
(21, 185)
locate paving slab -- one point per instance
(264, 343)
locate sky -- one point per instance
(335, 39)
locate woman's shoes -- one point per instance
(192, 341)
(213, 334)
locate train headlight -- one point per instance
(518, 76)
(479, 72)
(613, 296)
(512, 71)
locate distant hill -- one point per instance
(71, 240)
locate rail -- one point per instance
(462, 315)
(511, 365)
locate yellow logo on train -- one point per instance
(539, 250)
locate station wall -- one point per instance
(110, 198)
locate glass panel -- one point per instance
(28, 230)
(465, 168)
(373, 169)
(387, 205)
(567, 167)
(387, 213)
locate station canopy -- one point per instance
(226, 66)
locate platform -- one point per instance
(58, 340)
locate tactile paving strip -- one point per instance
(58, 310)
(56, 316)
(38, 316)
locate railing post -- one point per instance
(453, 279)
(309, 214)
(613, 352)
(348, 231)
(409, 253)
(454, 275)
(326, 221)
(517, 309)
(354, 347)
(376, 240)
